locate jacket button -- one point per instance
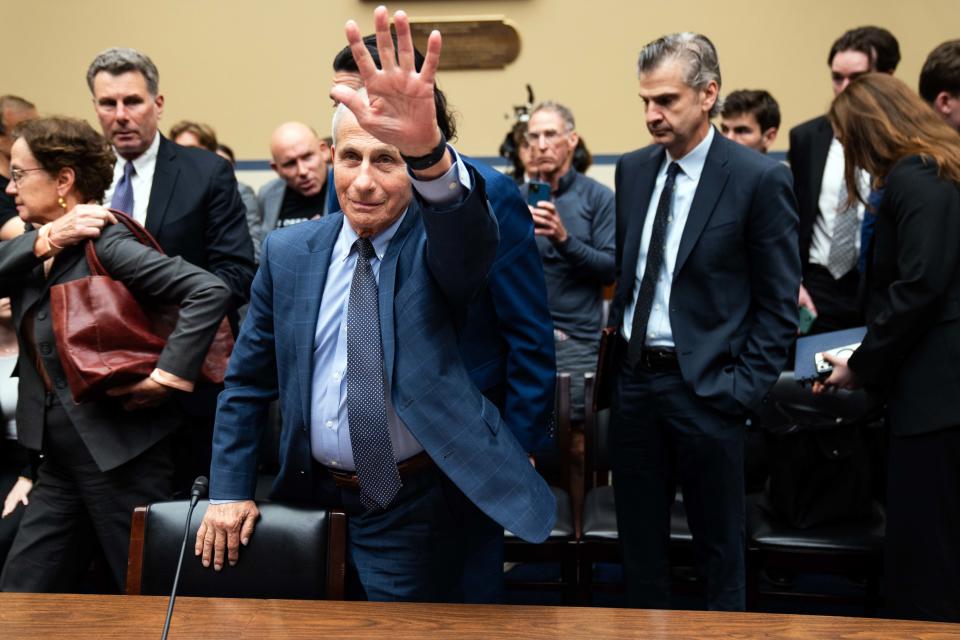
(41, 315)
(45, 348)
(303, 472)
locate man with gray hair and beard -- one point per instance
(705, 307)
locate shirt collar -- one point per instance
(692, 163)
(380, 241)
(146, 159)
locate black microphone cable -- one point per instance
(197, 491)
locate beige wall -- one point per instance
(246, 65)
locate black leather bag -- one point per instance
(819, 456)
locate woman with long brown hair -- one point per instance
(911, 351)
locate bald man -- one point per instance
(299, 193)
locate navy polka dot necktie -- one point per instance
(366, 404)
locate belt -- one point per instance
(659, 359)
(409, 467)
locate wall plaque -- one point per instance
(482, 42)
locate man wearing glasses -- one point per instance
(575, 235)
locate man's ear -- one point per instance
(941, 104)
(769, 136)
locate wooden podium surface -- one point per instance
(141, 617)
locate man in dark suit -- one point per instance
(830, 239)
(186, 197)
(506, 340)
(381, 419)
(706, 307)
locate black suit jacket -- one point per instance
(809, 146)
(112, 435)
(195, 212)
(733, 303)
(912, 347)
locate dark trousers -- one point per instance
(74, 508)
(413, 551)
(922, 544)
(837, 301)
(661, 433)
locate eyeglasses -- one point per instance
(18, 174)
(550, 136)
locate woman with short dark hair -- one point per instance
(911, 352)
(103, 457)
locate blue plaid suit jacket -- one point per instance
(436, 263)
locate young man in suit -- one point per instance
(186, 198)
(299, 192)
(940, 82)
(706, 310)
(830, 239)
(379, 414)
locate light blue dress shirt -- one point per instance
(329, 424)
(659, 332)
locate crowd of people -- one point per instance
(408, 308)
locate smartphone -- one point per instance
(805, 321)
(824, 368)
(537, 191)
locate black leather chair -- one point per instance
(598, 536)
(294, 553)
(560, 546)
(846, 544)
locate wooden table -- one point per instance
(141, 617)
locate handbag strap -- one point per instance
(139, 232)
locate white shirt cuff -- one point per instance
(450, 188)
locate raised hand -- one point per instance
(399, 107)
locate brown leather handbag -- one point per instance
(107, 338)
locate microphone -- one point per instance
(197, 492)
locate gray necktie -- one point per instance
(123, 195)
(366, 405)
(843, 246)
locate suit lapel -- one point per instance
(311, 277)
(636, 202)
(165, 176)
(387, 287)
(819, 150)
(712, 181)
(61, 264)
(271, 206)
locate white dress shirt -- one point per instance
(659, 332)
(142, 181)
(833, 177)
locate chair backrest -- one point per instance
(294, 553)
(596, 428)
(554, 465)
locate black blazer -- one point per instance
(912, 348)
(733, 304)
(195, 212)
(809, 146)
(112, 434)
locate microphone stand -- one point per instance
(198, 490)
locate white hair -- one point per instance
(340, 111)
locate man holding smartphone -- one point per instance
(574, 221)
